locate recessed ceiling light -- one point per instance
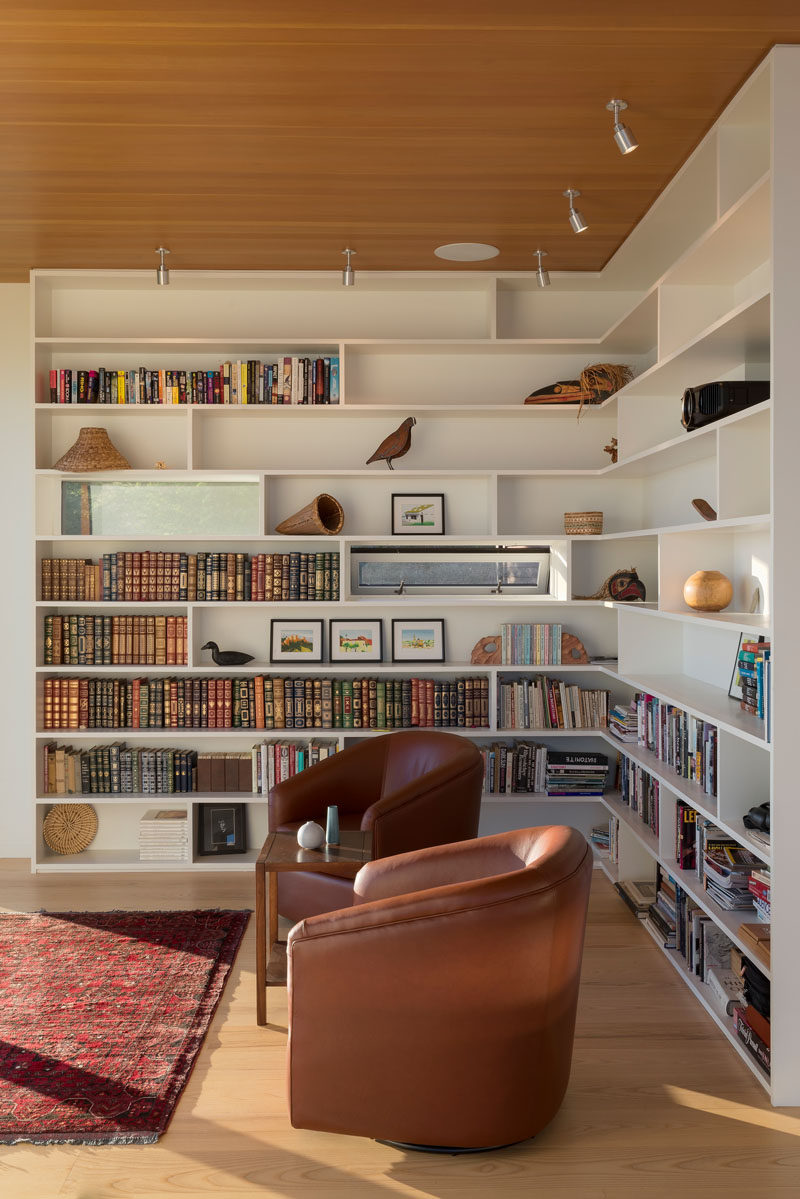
(466, 251)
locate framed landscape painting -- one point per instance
(356, 640)
(295, 641)
(417, 640)
(422, 512)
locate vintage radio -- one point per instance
(712, 401)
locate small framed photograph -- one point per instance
(221, 829)
(422, 512)
(356, 640)
(295, 641)
(415, 640)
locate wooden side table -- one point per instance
(281, 852)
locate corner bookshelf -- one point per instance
(699, 291)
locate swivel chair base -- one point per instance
(453, 1150)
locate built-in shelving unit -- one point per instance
(693, 295)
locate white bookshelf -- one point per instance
(704, 288)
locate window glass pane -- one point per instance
(159, 509)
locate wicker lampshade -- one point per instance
(92, 451)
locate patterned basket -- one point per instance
(69, 827)
(583, 522)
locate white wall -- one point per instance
(16, 587)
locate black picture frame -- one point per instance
(371, 624)
(280, 627)
(433, 499)
(434, 625)
(221, 829)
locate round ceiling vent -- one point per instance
(466, 251)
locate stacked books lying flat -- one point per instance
(759, 886)
(606, 838)
(571, 772)
(164, 835)
(623, 722)
(757, 937)
(513, 769)
(753, 676)
(530, 644)
(290, 380)
(638, 895)
(265, 702)
(726, 870)
(176, 576)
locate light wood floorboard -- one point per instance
(659, 1106)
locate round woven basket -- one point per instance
(92, 451)
(583, 522)
(70, 827)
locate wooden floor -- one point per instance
(659, 1106)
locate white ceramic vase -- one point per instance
(310, 835)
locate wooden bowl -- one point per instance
(708, 591)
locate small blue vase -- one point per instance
(332, 826)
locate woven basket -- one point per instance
(583, 522)
(323, 514)
(92, 451)
(70, 827)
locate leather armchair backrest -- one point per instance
(415, 754)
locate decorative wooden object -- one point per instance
(596, 383)
(92, 451)
(708, 591)
(612, 449)
(323, 515)
(226, 657)
(573, 651)
(69, 827)
(487, 651)
(704, 508)
(396, 444)
(622, 585)
(583, 523)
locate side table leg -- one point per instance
(261, 944)
(273, 911)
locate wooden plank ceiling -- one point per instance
(252, 134)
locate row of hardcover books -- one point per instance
(530, 644)
(117, 769)
(686, 743)
(175, 576)
(83, 640)
(290, 380)
(265, 703)
(517, 768)
(640, 791)
(545, 703)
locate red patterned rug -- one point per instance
(102, 1015)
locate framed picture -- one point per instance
(295, 641)
(417, 640)
(221, 829)
(356, 640)
(735, 688)
(422, 512)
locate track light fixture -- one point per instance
(542, 277)
(348, 274)
(575, 218)
(622, 134)
(162, 271)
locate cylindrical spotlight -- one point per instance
(575, 218)
(348, 274)
(162, 270)
(542, 276)
(622, 134)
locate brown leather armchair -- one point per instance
(411, 789)
(439, 1009)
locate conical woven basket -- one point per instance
(323, 514)
(92, 451)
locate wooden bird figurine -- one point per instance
(227, 657)
(396, 444)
